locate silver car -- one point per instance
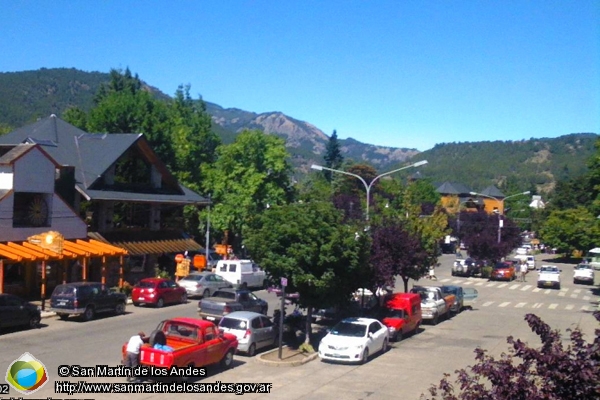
(253, 330)
(203, 283)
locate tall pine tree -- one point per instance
(333, 155)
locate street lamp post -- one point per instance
(501, 210)
(369, 185)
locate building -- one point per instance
(59, 178)
(457, 197)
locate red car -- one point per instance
(504, 271)
(157, 291)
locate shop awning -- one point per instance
(149, 243)
(25, 251)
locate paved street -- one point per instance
(406, 371)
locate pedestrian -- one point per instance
(432, 273)
(523, 270)
(132, 358)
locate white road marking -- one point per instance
(487, 303)
(513, 287)
(562, 294)
(503, 285)
(553, 306)
(536, 290)
(537, 305)
(526, 287)
(520, 305)
(569, 307)
(504, 304)
(577, 291)
(573, 296)
(586, 297)
(479, 283)
(491, 284)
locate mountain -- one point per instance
(534, 163)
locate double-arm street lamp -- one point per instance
(369, 185)
(501, 206)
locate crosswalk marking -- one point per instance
(569, 307)
(536, 290)
(467, 282)
(479, 283)
(547, 291)
(574, 296)
(504, 304)
(553, 306)
(586, 297)
(577, 291)
(526, 287)
(537, 305)
(487, 303)
(503, 285)
(513, 287)
(491, 284)
(562, 294)
(520, 305)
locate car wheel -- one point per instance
(252, 350)
(34, 321)
(63, 316)
(558, 286)
(435, 319)
(206, 293)
(384, 346)
(136, 304)
(183, 298)
(89, 313)
(227, 360)
(160, 302)
(365, 356)
(120, 308)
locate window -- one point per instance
(244, 297)
(266, 322)
(256, 323)
(232, 267)
(31, 210)
(163, 285)
(223, 267)
(374, 327)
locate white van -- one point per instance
(242, 273)
(593, 257)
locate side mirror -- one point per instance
(221, 332)
(370, 335)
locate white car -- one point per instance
(549, 275)
(354, 340)
(524, 250)
(584, 273)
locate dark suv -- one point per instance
(85, 299)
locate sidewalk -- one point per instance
(48, 314)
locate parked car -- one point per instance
(226, 301)
(85, 299)
(194, 342)
(354, 340)
(254, 331)
(530, 260)
(504, 270)
(467, 267)
(458, 293)
(524, 249)
(549, 275)
(435, 305)
(469, 297)
(14, 311)
(584, 273)
(242, 273)
(157, 292)
(203, 283)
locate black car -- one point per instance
(14, 311)
(85, 299)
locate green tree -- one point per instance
(333, 155)
(572, 229)
(308, 244)
(249, 176)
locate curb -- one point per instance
(48, 314)
(282, 363)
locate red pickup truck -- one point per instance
(402, 314)
(195, 343)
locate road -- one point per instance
(406, 371)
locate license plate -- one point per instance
(210, 318)
(549, 283)
(141, 298)
(62, 303)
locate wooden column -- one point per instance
(84, 271)
(1, 276)
(65, 266)
(120, 272)
(103, 270)
(43, 294)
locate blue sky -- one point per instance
(393, 73)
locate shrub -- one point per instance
(306, 348)
(550, 372)
(486, 272)
(159, 273)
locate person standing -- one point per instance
(132, 357)
(523, 270)
(432, 273)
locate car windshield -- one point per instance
(501, 265)
(584, 266)
(389, 313)
(549, 269)
(64, 290)
(145, 284)
(195, 278)
(349, 329)
(233, 323)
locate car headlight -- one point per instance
(391, 329)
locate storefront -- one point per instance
(33, 268)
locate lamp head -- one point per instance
(473, 193)
(317, 167)
(419, 163)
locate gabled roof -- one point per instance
(11, 153)
(92, 154)
(453, 188)
(493, 191)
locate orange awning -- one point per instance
(25, 251)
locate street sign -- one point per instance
(284, 282)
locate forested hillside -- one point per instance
(534, 164)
